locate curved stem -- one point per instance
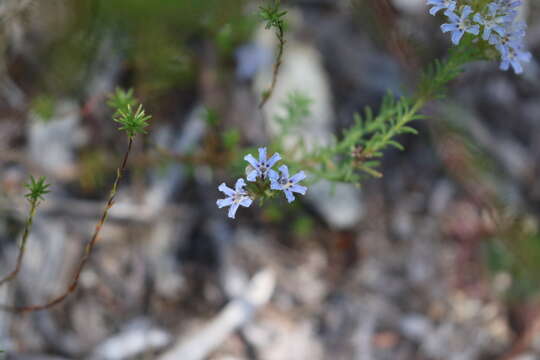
(88, 249)
(268, 93)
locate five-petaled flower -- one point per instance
(235, 198)
(263, 167)
(289, 185)
(459, 25)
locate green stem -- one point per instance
(22, 247)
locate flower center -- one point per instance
(286, 183)
(263, 168)
(464, 24)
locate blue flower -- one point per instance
(235, 198)
(513, 38)
(507, 8)
(263, 167)
(458, 26)
(513, 57)
(494, 20)
(440, 5)
(497, 23)
(289, 185)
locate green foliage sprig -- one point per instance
(132, 122)
(273, 15)
(37, 188)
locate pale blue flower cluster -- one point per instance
(261, 170)
(496, 23)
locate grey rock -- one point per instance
(135, 338)
(52, 142)
(415, 327)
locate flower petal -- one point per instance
(227, 190)
(272, 174)
(494, 39)
(232, 210)
(466, 12)
(284, 171)
(252, 176)
(224, 202)
(524, 56)
(299, 189)
(239, 186)
(289, 195)
(492, 9)
(274, 159)
(478, 18)
(486, 33)
(499, 30)
(518, 69)
(448, 27)
(515, 4)
(274, 185)
(475, 29)
(434, 10)
(251, 160)
(452, 16)
(297, 177)
(262, 154)
(246, 201)
(456, 36)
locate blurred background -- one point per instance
(439, 259)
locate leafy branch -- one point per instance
(359, 150)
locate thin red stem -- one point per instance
(88, 249)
